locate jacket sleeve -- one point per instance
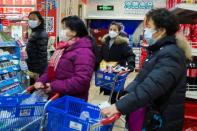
(80, 81)
(42, 43)
(43, 78)
(157, 83)
(99, 56)
(138, 79)
(130, 57)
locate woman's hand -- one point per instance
(48, 88)
(110, 111)
(39, 85)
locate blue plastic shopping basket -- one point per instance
(108, 80)
(64, 115)
(14, 115)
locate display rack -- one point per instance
(9, 68)
(187, 14)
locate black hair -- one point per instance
(119, 25)
(163, 18)
(37, 13)
(74, 23)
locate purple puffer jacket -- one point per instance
(74, 71)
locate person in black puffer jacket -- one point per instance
(37, 45)
(116, 48)
(161, 83)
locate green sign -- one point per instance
(105, 7)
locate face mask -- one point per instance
(148, 36)
(113, 34)
(33, 23)
(63, 36)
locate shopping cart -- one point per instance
(111, 81)
(190, 122)
(18, 116)
(73, 114)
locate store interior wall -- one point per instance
(100, 27)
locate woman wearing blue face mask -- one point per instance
(161, 83)
(116, 48)
(36, 46)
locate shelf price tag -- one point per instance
(5, 71)
(4, 58)
(14, 57)
(15, 80)
(15, 68)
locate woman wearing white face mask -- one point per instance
(161, 83)
(36, 46)
(116, 48)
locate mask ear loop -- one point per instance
(160, 36)
(145, 23)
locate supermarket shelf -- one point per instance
(8, 82)
(186, 12)
(13, 91)
(191, 94)
(8, 44)
(194, 51)
(9, 69)
(8, 57)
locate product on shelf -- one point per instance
(9, 66)
(4, 37)
(190, 32)
(172, 3)
(192, 73)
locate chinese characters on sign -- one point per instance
(50, 24)
(139, 7)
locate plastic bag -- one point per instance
(37, 96)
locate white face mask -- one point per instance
(113, 34)
(63, 36)
(33, 23)
(148, 36)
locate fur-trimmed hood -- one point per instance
(183, 44)
(118, 40)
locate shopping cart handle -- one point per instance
(190, 117)
(30, 89)
(123, 72)
(57, 95)
(110, 120)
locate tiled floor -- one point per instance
(96, 98)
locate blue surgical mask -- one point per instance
(33, 23)
(148, 36)
(63, 36)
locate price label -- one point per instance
(5, 71)
(75, 125)
(14, 68)
(4, 58)
(15, 80)
(14, 57)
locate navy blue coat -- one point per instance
(160, 83)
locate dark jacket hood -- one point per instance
(38, 28)
(167, 40)
(118, 40)
(177, 39)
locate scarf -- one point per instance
(62, 46)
